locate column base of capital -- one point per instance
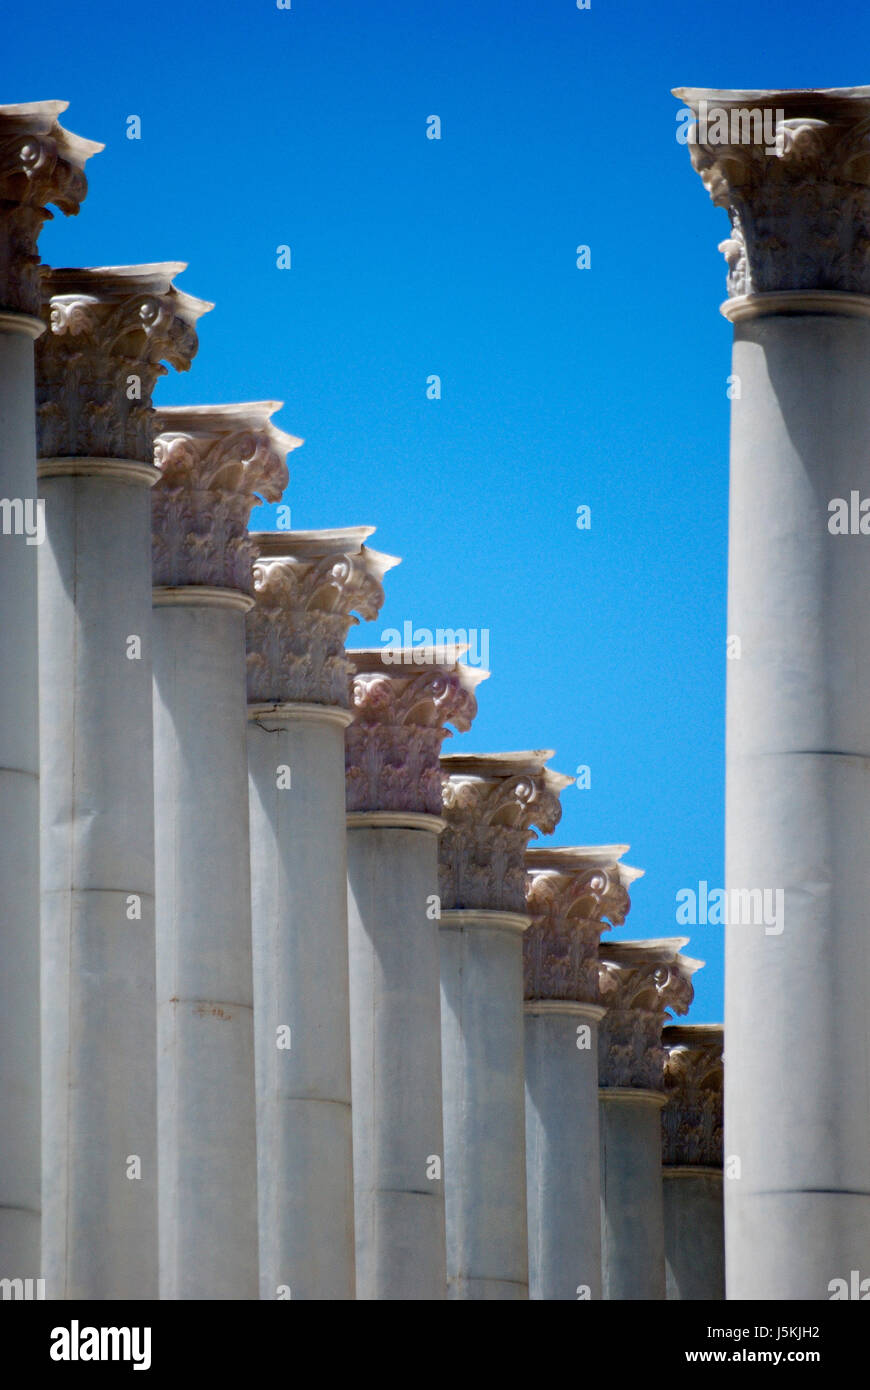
(753, 306)
(292, 711)
(395, 820)
(461, 918)
(112, 469)
(593, 1012)
(12, 321)
(200, 596)
(627, 1095)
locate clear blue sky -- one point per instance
(307, 127)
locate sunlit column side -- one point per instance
(109, 331)
(214, 461)
(491, 802)
(692, 1159)
(572, 896)
(402, 700)
(308, 585)
(797, 192)
(40, 163)
(638, 981)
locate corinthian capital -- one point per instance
(402, 702)
(309, 586)
(572, 896)
(692, 1116)
(40, 163)
(638, 981)
(216, 463)
(110, 329)
(491, 802)
(792, 169)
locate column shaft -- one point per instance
(798, 809)
(97, 840)
(562, 1145)
(632, 1215)
(299, 893)
(797, 1105)
(19, 814)
(396, 1060)
(207, 1109)
(484, 1104)
(694, 1233)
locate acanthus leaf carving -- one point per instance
(491, 805)
(305, 605)
(638, 982)
(40, 163)
(799, 198)
(692, 1119)
(400, 718)
(568, 909)
(109, 333)
(215, 465)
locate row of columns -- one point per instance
(310, 1006)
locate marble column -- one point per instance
(491, 803)
(109, 330)
(40, 164)
(692, 1162)
(308, 586)
(214, 461)
(572, 895)
(639, 981)
(402, 701)
(797, 1112)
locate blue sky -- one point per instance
(606, 387)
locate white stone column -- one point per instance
(491, 803)
(692, 1159)
(402, 700)
(40, 163)
(638, 980)
(797, 1113)
(96, 367)
(572, 895)
(308, 585)
(214, 459)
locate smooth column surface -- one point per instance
(484, 1104)
(19, 813)
(562, 1147)
(396, 1056)
(97, 817)
(632, 1216)
(299, 888)
(694, 1233)
(797, 1110)
(207, 1110)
